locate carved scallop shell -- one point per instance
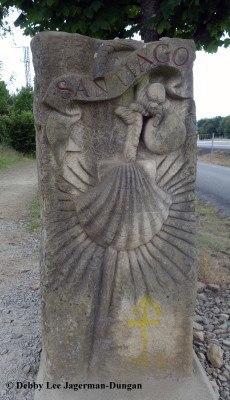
(125, 210)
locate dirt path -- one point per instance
(19, 303)
(18, 186)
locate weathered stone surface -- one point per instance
(198, 336)
(26, 369)
(197, 327)
(215, 355)
(116, 159)
(196, 387)
(213, 287)
(200, 287)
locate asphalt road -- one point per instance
(217, 144)
(213, 185)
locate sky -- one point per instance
(211, 74)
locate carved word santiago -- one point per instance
(72, 87)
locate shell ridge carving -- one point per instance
(126, 223)
(115, 222)
(110, 219)
(126, 206)
(91, 201)
(149, 261)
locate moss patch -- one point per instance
(34, 221)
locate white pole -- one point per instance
(213, 134)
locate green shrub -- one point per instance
(4, 98)
(22, 132)
(16, 120)
(23, 100)
(5, 127)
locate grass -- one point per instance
(208, 241)
(34, 370)
(34, 220)
(213, 245)
(10, 157)
(218, 157)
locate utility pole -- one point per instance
(27, 66)
(26, 61)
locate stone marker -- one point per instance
(116, 137)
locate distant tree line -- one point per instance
(16, 119)
(220, 126)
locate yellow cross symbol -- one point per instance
(145, 304)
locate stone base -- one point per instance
(197, 387)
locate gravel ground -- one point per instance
(20, 344)
(212, 335)
(19, 274)
(19, 318)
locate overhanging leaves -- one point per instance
(204, 21)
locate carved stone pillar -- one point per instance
(116, 137)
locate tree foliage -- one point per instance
(22, 133)
(225, 126)
(4, 98)
(23, 100)
(17, 121)
(4, 26)
(203, 20)
(220, 126)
